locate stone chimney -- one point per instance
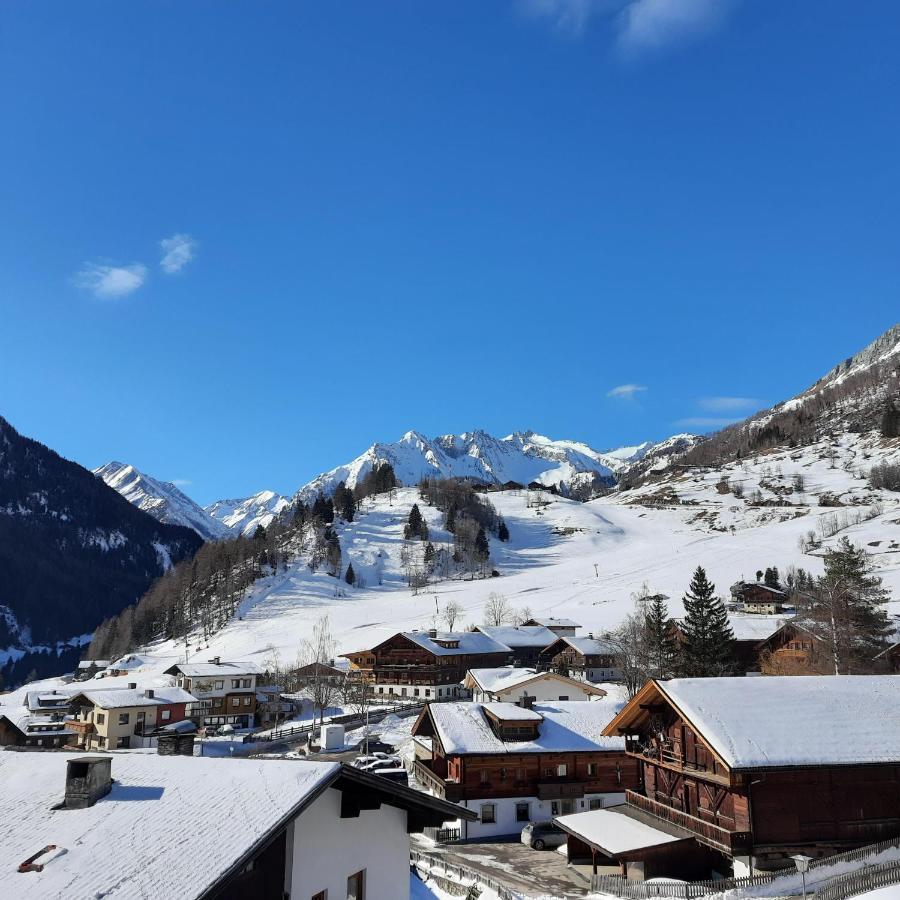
(132, 685)
(526, 702)
(149, 693)
(87, 780)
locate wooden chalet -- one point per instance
(514, 764)
(589, 658)
(756, 597)
(794, 649)
(760, 769)
(524, 641)
(427, 664)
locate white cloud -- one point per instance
(110, 282)
(705, 422)
(567, 16)
(642, 24)
(652, 24)
(181, 482)
(626, 391)
(178, 251)
(727, 404)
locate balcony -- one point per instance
(80, 727)
(730, 842)
(431, 781)
(672, 759)
(560, 789)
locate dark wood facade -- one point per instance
(400, 660)
(768, 814)
(562, 657)
(547, 776)
(793, 650)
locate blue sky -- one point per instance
(445, 215)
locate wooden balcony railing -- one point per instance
(672, 759)
(446, 790)
(719, 838)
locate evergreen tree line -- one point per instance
(844, 608)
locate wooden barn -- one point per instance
(759, 769)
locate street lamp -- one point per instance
(802, 863)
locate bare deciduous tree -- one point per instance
(497, 610)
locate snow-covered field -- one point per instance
(581, 561)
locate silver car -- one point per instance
(540, 835)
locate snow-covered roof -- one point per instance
(37, 700)
(615, 832)
(22, 719)
(469, 642)
(555, 623)
(210, 670)
(589, 646)
(776, 721)
(93, 664)
(511, 712)
(566, 726)
(500, 679)
(117, 698)
(520, 635)
(127, 663)
(122, 849)
(748, 627)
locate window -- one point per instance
(248, 701)
(235, 701)
(141, 716)
(101, 718)
(235, 682)
(522, 812)
(561, 770)
(356, 886)
(124, 718)
(484, 776)
(564, 697)
(597, 803)
(322, 895)
(592, 768)
(427, 692)
(416, 692)
(123, 742)
(220, 685)
(245, 683)
(488, 813)
(165, 715)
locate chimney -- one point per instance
(216, 660)
(590, 635)
(432, 633)
(527, 702)
(148, 694)
(87, 780)
(132, 685)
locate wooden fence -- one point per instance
(854, 883)
(461, 874)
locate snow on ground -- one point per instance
(568, 559)
(885, 893)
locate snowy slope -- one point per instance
(162, 500)
(245, 515)
(522, 457)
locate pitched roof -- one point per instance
(118, 851)
(749, 627)
(520, 635)
(554, 623)
(118, 698)
(209, 670)
(463, 728)
(511, 712)
(590, 646)
(778, 721)
(469, 642)
(505, 678)
(620, 829)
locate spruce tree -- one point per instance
(482, 548)
(845, 609)
(502, 531)
(350, 577)
(771, 578)
(661, 650)
(450, 519)
(708, 636)
(414, 524)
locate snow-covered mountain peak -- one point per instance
(161, 499)
(244, 515)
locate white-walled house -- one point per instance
(225, 691)
(509, 684)
(139, 825)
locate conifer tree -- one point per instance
(482, 548)
(502, 531)
(771, 578)
(350, 577)
(414, 524)
(661, 650)
(450, 519)
(845, 609)
(260, 534)
(708, 636)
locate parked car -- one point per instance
(361, 761)
(539, 835)
(379, 764)
(375, 746)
